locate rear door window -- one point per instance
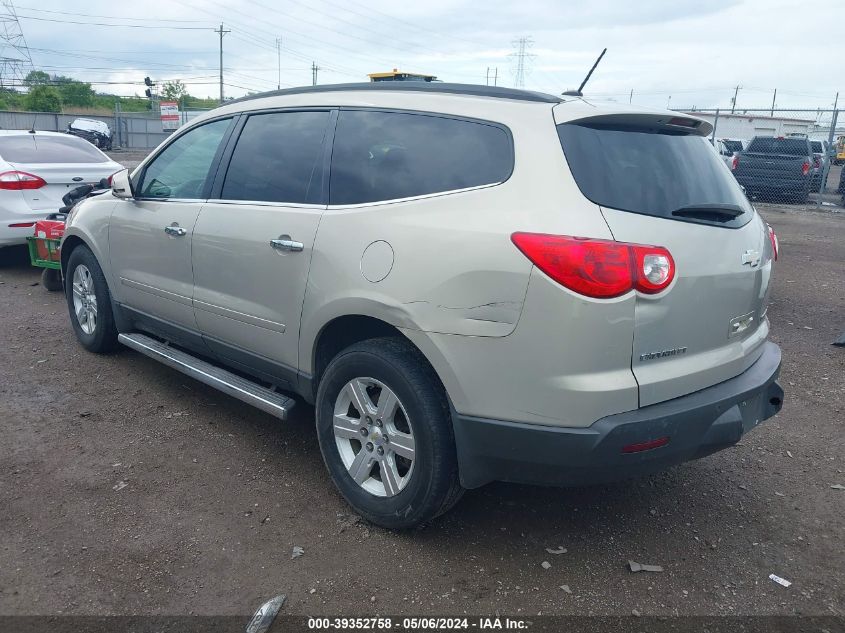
(40, 148)
(278, 158)
(651, 172)
(391, 155)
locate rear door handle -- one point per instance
(175, 230)
(284, 243)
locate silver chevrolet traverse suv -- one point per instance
(468, 283)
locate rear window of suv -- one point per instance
(651, 172)
(777, 145)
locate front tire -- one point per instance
(385, 433)
(89, 302)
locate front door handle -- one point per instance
(284, 243)
(175, 230)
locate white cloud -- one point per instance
(694, 51)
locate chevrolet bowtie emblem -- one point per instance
(751, 257)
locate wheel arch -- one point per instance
(70, 243)
(342, 331)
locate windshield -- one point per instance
(650, 172)
(39, 148)
(817, 146)
(778, 145)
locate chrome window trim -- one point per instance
(180, 200)
(424, 196)
(266, 203)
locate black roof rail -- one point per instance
(495, 92)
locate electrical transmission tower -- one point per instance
(15, 60)
(522, 59)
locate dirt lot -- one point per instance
(217, 494)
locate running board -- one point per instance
(231, 384)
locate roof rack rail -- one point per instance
(495, 92)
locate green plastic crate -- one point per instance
(49, 248)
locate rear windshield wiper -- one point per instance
(711, 212)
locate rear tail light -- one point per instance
(773, 238)
(734, 162)
(20, 180)
(21, 225)
(601, 269)
(805, 168)
(817, 162)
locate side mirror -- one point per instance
(121, 186)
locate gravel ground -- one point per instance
(127, 488)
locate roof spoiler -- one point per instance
(659, 122)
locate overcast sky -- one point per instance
(692, 51)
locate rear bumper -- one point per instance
(26, 217)
(772, 182)
(697, 425)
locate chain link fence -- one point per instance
(782, 156)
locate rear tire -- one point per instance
(89, 302)
(395, 462)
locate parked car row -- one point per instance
(785, 168)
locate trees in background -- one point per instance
(174, 91)
(43, 98)
(57, 93)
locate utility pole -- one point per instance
(774, 96)
(495, 75)
(631, 96)
(668, 101)
(279, 54)
(833, 117)
(733, 101)
(221, 32)
(314, 69)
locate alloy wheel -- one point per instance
(374, 436)
(84, 299)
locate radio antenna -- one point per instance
(579, 92)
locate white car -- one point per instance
(36, 170)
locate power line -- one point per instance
(128, 26)
(107, 17)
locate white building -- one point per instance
(747, 125)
